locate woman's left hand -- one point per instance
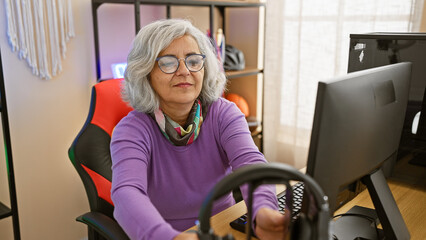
(271, 224)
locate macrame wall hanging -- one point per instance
(38, 31)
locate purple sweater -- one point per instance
(158, 188)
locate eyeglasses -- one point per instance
(170, 64)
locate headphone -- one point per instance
(313, 221)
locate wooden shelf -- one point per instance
(228, 15)
(255, 126)
(243, 73)
(229, 3)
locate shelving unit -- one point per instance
(242, 22)
(4, 210)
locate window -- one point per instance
(314, 45)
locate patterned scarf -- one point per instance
(175, 133)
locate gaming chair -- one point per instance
(90, 155)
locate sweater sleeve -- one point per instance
(239, 146)
(133, 209)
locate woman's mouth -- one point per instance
(183, 84)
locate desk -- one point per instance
(410, 200)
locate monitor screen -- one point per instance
(357, 126)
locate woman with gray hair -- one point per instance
(181, 139)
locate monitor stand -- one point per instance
(355, 227)
(358, 223)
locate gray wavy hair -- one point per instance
(147, 45)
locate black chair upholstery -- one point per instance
(90, 155)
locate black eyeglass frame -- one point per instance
(184, 60)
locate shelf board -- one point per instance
(4, 211)
(243, 73)
(255, 125)
(224, 3)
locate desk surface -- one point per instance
(410, 200)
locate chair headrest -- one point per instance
(109, 107)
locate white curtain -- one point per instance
(308, 41)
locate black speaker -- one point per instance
(313, 221)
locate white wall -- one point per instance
(45, 116)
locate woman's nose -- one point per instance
(182, 69)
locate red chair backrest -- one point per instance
(90, 153)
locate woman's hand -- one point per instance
(271, 224)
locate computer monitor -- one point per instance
(383, 48)
(357, 126)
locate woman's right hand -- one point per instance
(270, 224)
